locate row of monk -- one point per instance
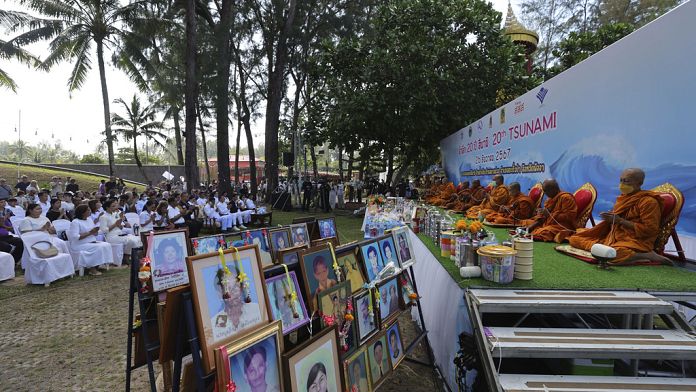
(631, 227)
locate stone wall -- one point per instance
(127, 172)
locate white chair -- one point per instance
(61, 226)
(7, 266)
(16, 221)
(132, 218)
(117, 251)
(44, 271)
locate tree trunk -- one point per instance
(107, 111)
(245, 119)
(137, 158)
(390, 165)
(340, 163)
(205, 145)
(236, 152)
(191, 167)
(222, 36)
(313, 155)
(177, 138)
(350, 165)
(275, 96)
(295, 120)
(252, 153)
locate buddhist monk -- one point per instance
(434, 191)
(498, 197)
(444, 195)
(631, 227)
(556, 221)
(477, 194)
(520, 207)
(462, 196)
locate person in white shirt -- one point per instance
(82, 236)
(226, 221)
(111, 225)
(148, 216)
(248, 203)
(35, 222)
(340, 195)
(16, 209)
(56, 185)
(44, 202)
(66, 204)
(223, 208)
(246, 213)
(140, 204)
(96, 210)
(176, 216)
(33, 186)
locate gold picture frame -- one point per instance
(319, 355)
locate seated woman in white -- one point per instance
(96, 210)
(162, 218)
(210, 210)
(82, 235)
(236, 216)
(111, 225)
(35, 222)
(147, 216)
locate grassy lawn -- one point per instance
(43, 176)
(348, 226)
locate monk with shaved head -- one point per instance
(556, 221)
(631, 227)
(477, 194)
(519, 208)
(461, 197)
(499, 196)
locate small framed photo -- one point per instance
(356, 372)
(347, 259)
(167, 251)
(208, 244)
(404, 248)
(225, 307)
(396, 344)
(371, 259)
(406, 288)
(233, 240)
(300, 234)
(386, 246)
(279, 239)
(327, 227)
(292, 313)
(318, 272)
(365, 314)
(260, 238)
(252, 361)
(334, 301)
(321, 241)
(315, 366)
(290, 256)
(389, 300)
(378, 357)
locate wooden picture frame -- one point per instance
(278, 239)
(404, 246)
(377, 374)
(371, 259)
(319, 355)
(290, 256)
(278, 293)
(365, 313)
(207, 244)
(260, 349)
(334, 301)
(167, 254)
(172, 316)
(395, 344)
(327, 227)
(389, 300)
(388, 250)
(356, 381)
(347, 258)
(317, 270)
(300, 234)
(405, 288)
(215, 314)
(260, 238)
(320, 241)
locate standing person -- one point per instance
(102, 187)
(121, 185)
(56, 185)
(307, 194)
(340, 193)
(72, 186)
(325, 191)
(358, 188)
(22, 184)
(333, 196)
(110, 185)
(5, 190)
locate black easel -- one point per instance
(187, 332)
(144, 301)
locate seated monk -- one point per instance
(499, 196)
(631, 227)
(444, 196)
(520, 207)
(477, 194)
(556, 221)
(434, 192)
(462, 196)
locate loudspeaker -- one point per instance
(288, 159)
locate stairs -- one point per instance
(633, 340)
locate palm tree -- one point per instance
(20, 150)
(10, 50)
(73, 27)
(138, 122)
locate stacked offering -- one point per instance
(524, 261)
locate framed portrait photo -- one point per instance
(334, 301)
(371, 260)
(292, 313)
(314, 366)
(404, 248)
(387, 249)
(252, 362)
(378, 358)
(226, 307)
(389, 300)
(167, 251)
(207, 244)
(395, 344)
(327, 227)
(347, 259)
(290, 256)
(300, 234)
(320, 241)
(232, 240)
(365, 315)
(259, 237)
(356, 372)
(406, 288)
(318, 272)
(279, 239)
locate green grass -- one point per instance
(43, 176)
(348, 226)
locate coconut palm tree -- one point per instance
(138, 121)
(10, 50)
(75, 28)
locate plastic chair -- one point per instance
(7, 266)
(61, 226)
(44, 271)
(16, 221)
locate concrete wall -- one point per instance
(127, 172)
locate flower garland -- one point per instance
(412, 295)
(223, 274)
(290, 293)
(377, 200)
(144, 275)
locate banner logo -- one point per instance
(542, 94)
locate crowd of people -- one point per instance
(113, 214)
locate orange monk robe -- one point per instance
(433, 192)
(477, 196)
(520, 207)
(560, 224)
(497, 198)
(444, 195)
(462, 197)
(643, 209)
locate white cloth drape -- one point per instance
(7, 266)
